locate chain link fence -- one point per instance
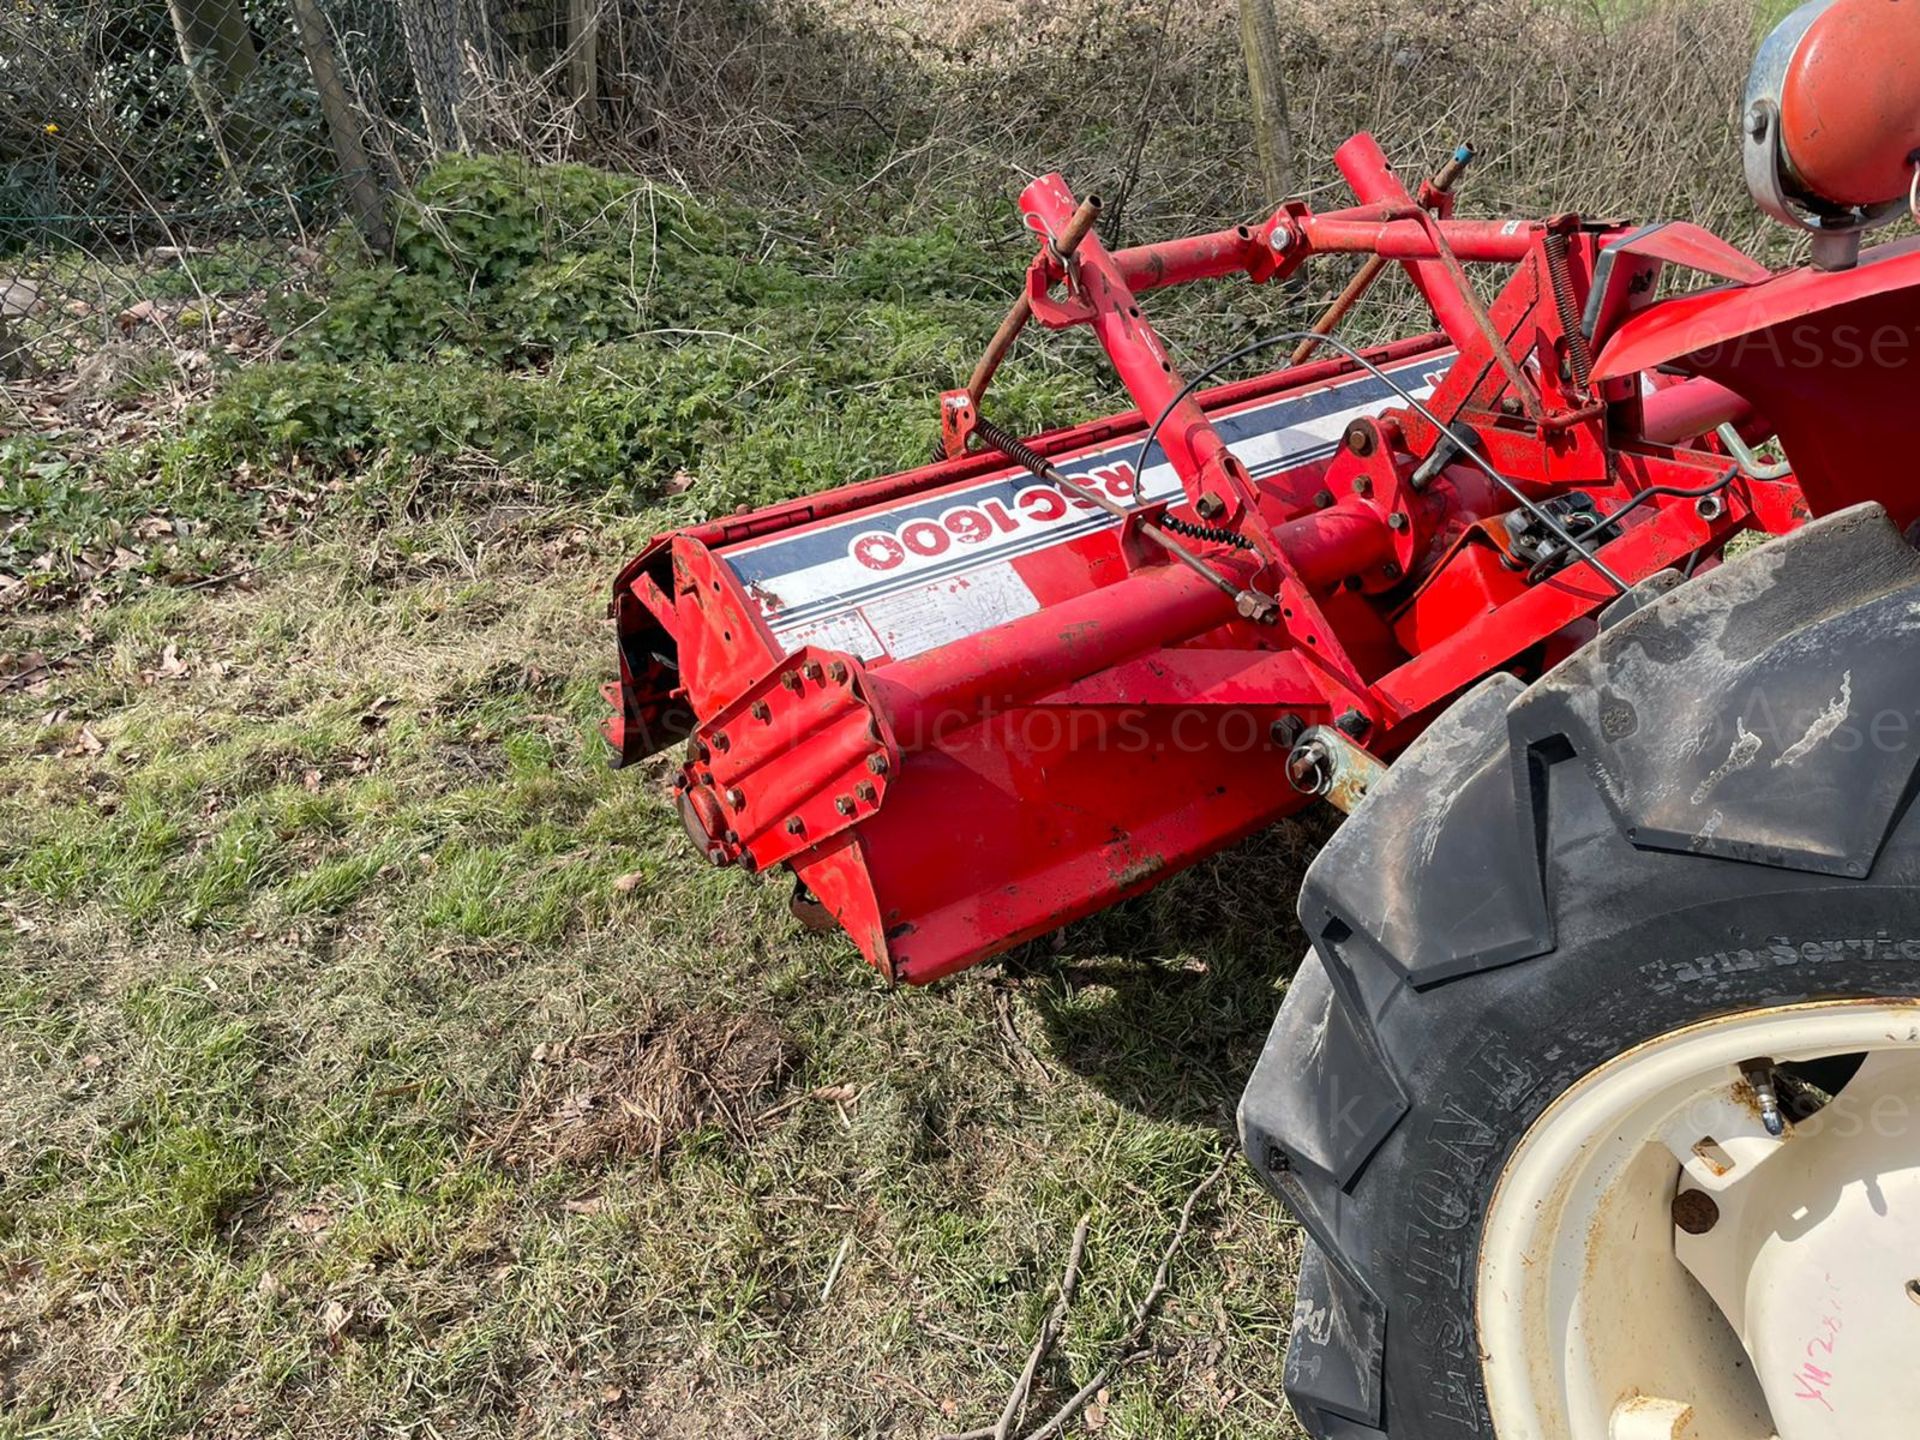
(171, 166)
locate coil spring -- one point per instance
(1010, 445)
(1021, 453)
(1560, 277)
(1204, 532)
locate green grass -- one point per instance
(279, 951)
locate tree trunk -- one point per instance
(217, 49)
(436, 36)
(1272, 133)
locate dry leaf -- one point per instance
(1095, 1415)
(682, 481)
(584, 1205)
(314, 1220)
(19, 670)
(334, 1319)
(134, 316)
(630, 881)
(172, 667)
(271, 1289)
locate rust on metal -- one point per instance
(1695, 1211)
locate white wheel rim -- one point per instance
(1600, 1319)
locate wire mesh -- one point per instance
(172, 165)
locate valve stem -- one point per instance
(1759, 1075)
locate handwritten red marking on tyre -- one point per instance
(1813, 1378)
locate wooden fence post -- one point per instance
(344, 126)
(1273, 133)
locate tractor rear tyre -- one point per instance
(1599, 1095)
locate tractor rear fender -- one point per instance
(1830, 357)
(1761, 713)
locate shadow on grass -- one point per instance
(1165, 1001)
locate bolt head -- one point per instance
(844, 804)
(796, 826)
(1323, 499)
(1286, 731)
(1360, 438)
(761, 710)
(1210, 507)
(1695, 1211)
(1352, 724)
(877, 764)
(1261, 609)
(1362, 485)
(736, 797)
(812, 670)
(721, 742)
(838, 670)
(1396, 521)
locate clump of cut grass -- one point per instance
(631, 1094)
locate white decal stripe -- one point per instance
(923, 546)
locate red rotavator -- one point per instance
(972, 702)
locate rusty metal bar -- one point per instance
(1063, 245)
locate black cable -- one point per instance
(1673, 492)
(1264, 343)
(1602, 524)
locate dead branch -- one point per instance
(1069, 1281)
(1131, 1348)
